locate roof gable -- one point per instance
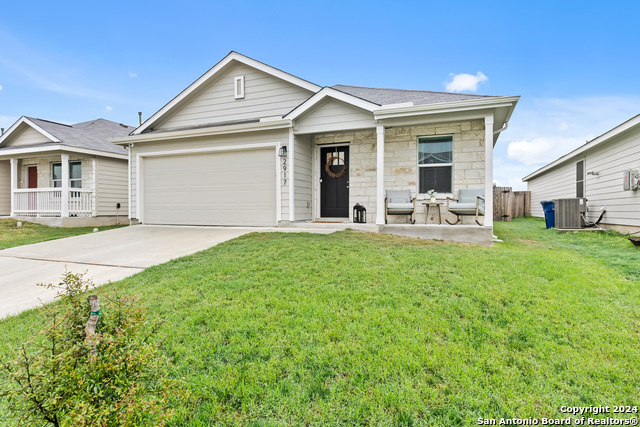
(208, 99)
(327, 93)
(91, 135)
(25, 132)
(331, 114)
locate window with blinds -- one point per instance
(75, 174)
(435, 164)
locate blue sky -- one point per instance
(574, 64)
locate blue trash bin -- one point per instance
(549, 213)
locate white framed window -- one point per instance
(580, 178)
(238, 87)
(435, 164)
(75, 174)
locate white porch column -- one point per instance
(64, 200)
(488, 170)
(380, 175)
(14, 184)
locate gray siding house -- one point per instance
(596, 171)
(63, 175)
(250, 145)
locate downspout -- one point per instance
(496, 132)
(504, 127)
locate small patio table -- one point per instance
(427, 205)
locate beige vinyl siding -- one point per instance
(281, 136)
(303, 175)
(609, 160)
(334, 115)
(111, 187)
(265, 96)
(559, 183)
(5, 187)
(29, 136)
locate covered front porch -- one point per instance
(345, 152)
(49, 186)
(412, 158)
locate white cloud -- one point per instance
(545, 129)
(133, 75)
(468, 82)
(541, 150)
(0, 87)
(109, 108)
(509, 173)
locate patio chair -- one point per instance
(469, 202)
(399, 202)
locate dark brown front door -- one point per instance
(32, 182)
(334, 186)
(32, 178)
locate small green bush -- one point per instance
(56, 380)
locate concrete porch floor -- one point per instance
(461, 233)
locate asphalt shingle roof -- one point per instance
(397, 96)
(92, 135)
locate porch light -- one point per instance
(283, 151)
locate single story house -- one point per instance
(247, 144)
(64, 175)
(603, 171)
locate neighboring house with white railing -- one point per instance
(64, 175)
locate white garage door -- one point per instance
(221, 188)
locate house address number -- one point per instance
(285, 170)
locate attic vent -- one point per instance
(238, 87)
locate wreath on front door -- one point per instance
(332, 174)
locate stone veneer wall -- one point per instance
(401, 157)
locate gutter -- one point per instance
(8, 152)
(446, 107)
(207, 131)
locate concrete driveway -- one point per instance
(107, 255)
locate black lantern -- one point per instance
(359, 213)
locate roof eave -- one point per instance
(59, 147)
(448, 107)
(621, 128)
(268, 124)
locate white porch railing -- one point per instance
(80, 202)
(48, 202)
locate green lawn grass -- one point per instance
(11, 235)
(362, 329)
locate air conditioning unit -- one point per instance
(570, 213)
